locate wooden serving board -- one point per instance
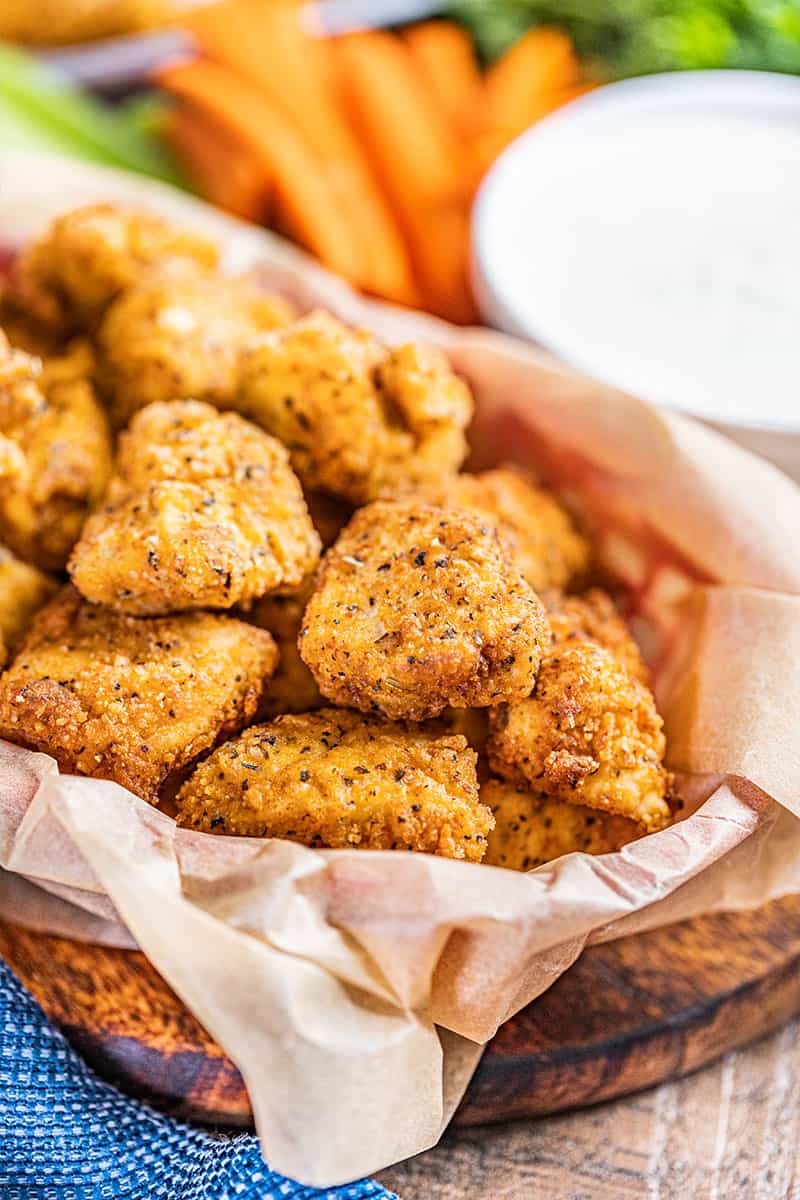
(627, 1015)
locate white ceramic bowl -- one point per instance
(649, 234)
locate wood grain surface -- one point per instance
(627, 1015)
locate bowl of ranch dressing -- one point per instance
(649, 234)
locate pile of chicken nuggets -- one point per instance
(243, 574)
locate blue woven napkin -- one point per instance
(66, 1135)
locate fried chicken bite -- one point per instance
(23, 591)
(360, 421)
(338, 779)
(589, 734)
(178, 332)
(131, 700)
(418, 608)
(541, 536)
(203, 511)
(66, 279)
(532, 828)
(594, 616)
(292, 688)
(55, 454)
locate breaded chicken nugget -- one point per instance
(594, 616)
(531, 828)
(23, 590)
(544, 543)
(292, 688)
(131, 700)
(339, 779)
(178, 333)
(204, 511)
(417, 608)
(67, 277)
(360, 421)
(55, 455)
(589, 734)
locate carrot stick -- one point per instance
(301, 187)
(541, 63)
(413, 157)
(265, 43)
(220, 167)
(444, 54)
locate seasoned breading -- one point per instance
(539, 532)
(203, 511)
(23, 590)
(178, 333)
(360, 421)
(55, 454)
(339, 779)
(593, 615)
(532, 828)
(131, 700)
(292, 688)
(66, 278)
(588, 734)
(417, 608)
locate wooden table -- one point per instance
(729, 1132)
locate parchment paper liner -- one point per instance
(354, 989)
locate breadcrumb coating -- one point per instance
(67, 278)
(532, 828)
(338, 779)
(204, 511)
(292, 688)
(23, 590)
(178, 332)
(361, 422)
(418, 608)
(594, 616)
(131, 700)
(541, 536)
(55, 454)
(589, 734)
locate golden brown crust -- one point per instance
(594, 616)
(178, 332)
(540, 534)
(588, 734)
(532, 828)
(361, 421)
(418, 608)
(339, 779)
(55, 454)
(131, 700)
(23, 591)
(203, 512)
(292, 688)
(66, 278)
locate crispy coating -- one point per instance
(55, 454)
(532, 829)
(339, 779)
(360, 421)
(292, 688)
(179, 333)
(588, 734)
(204, 511)
(594, 616)
(23, 590)
(539, 532)
(131, 700)
(67, 278)
(418, 608)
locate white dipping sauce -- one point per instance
(650, 235)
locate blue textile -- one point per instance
(66, 1135)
